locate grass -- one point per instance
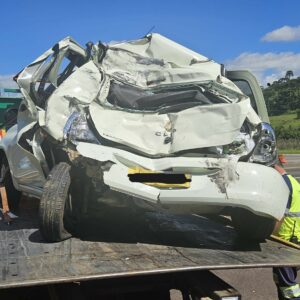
(288, 144)
(289, 151)
(285, 120)
(283, 125)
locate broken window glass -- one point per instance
(51, 72)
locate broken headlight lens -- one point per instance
(77, 129)
(265, 151)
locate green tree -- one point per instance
(289, 74)
(283, 96)
(280, 105)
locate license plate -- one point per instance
(159, 179)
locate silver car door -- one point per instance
(37, 82)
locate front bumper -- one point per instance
(220, 182)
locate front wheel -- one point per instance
(53, 203)
(250, 226)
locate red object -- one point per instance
(282, 159)
(2, 133)
(280, 169)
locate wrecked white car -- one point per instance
(143, 121)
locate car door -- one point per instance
(248, 84)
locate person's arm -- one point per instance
(289, 202)
(277, 227)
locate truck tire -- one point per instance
(250, 226)
(13, 195)
(53, 203)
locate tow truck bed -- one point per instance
(124, 244)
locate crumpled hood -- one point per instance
(157, 62)
(155, 134)
(153, 65)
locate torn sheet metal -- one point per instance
(157, 46)
(75, 93)
(29, 74)
(157, 60)
(141, 63)
(24, 165)
(130, 160)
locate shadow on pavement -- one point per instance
(131, 226)
(162, 228)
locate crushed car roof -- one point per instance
(174, 98)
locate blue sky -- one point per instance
(238, 33)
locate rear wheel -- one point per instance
(251, 226)
(54, 201)
(13, 195)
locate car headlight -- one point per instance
(265, 151)
(77, 129)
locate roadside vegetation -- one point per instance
(283, 103)
(287, 128)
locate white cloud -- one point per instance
(283, 34)
(6, 81)
(267, 67)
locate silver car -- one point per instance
(141, 122)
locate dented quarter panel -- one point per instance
(24, 166)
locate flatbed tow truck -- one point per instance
(123, 254)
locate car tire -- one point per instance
(53, 204)
(13, 195)
(250, 226)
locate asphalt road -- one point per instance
(293, 165)
(257, 284)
